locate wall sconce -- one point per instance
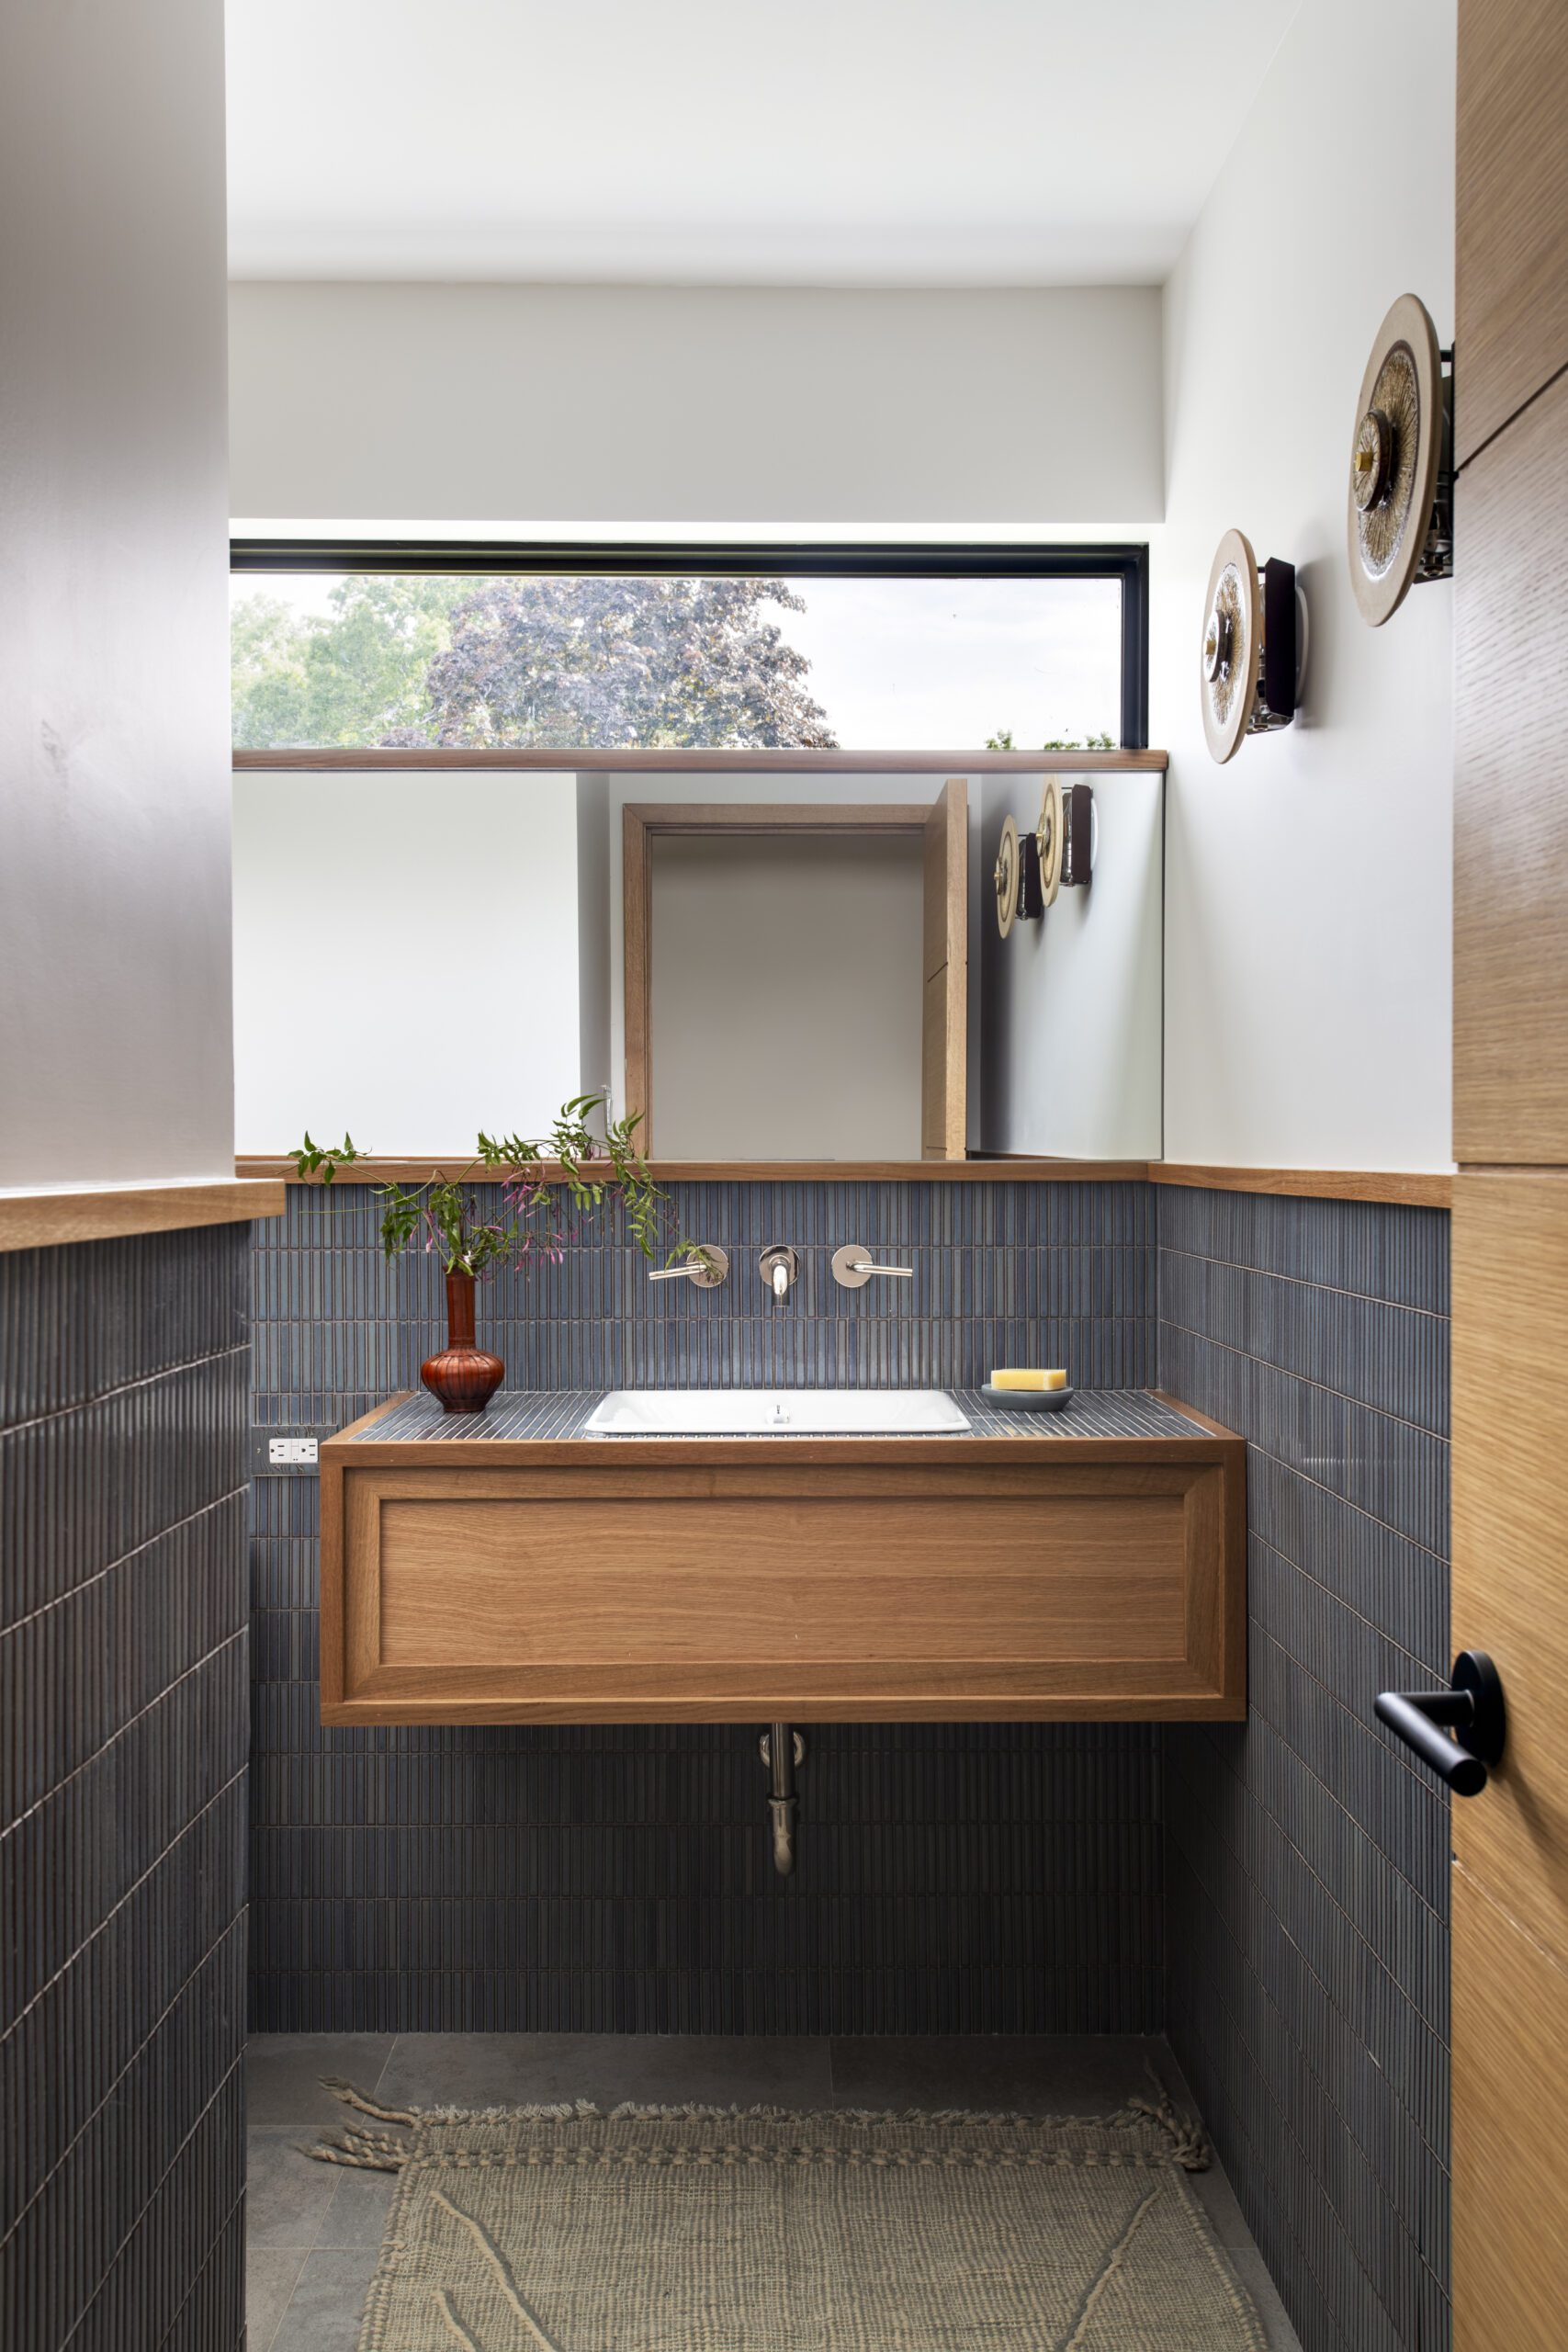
(1400, 511)
(1030, 868)
(1253, 657)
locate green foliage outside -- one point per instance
(409, 661)
(1002, 742)
(356, 677)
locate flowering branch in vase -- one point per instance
(446, 1210)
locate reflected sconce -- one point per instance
(1400, 509)
(1253, 657)
(1018, 890)
(1058, 855)
(1066, 837)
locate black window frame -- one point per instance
(1125, 561)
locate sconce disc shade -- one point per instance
(1050, 837)
(1395, 453)
(1228, 653)
(1006, 877)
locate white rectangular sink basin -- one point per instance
(776, 1412)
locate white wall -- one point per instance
(405, 958)
(635, 404)
(115, 1042)
(1071, 1004)
(1308, 882)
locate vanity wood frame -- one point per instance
(725, 1580)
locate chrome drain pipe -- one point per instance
(782, 1750)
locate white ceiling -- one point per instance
(824, 142)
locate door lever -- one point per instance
(1472, 1706)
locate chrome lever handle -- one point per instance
(707, 1266)
(853, 1268)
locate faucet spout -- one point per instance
(778, 1267)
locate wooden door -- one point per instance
(944, 1019)
(1510, 1224)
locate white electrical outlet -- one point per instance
(282, 1451)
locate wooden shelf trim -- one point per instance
(793, 761)
(44, 1219)
(1410, 1188)
(414, 1170)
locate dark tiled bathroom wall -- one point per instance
(123, 1380)
(1306, 1855)
(951, 1878)
(1003, 1273)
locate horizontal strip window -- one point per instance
(482, 645)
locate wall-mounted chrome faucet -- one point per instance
(853, 1268)
(782, 1749)
(705, 1265)
(779, 1266)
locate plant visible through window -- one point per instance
(478, 664)
(412, 660)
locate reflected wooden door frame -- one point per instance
(644, 822)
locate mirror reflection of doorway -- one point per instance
(797, 980)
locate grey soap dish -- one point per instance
(1028, 1400)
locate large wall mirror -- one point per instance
(773, 967)
(775, 942)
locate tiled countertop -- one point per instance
(549, 1415)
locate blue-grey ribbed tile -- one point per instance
(939, 1848)
(535, 1415)
(1369, 1247)
(1398, 1587)
(123, 1741)
(1387, 1467)
(1391, 1357)
(965, 1877)
(1306, 1856)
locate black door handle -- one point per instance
(1472, 1705)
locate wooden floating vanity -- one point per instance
(1089, 1565)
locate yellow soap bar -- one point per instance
(1029, 1380)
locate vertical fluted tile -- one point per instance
(958, 1878)
(123, 1682)
(1306, 1859)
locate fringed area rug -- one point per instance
(565, 2228)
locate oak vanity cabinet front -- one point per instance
(714, 1581)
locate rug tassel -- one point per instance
(351, 2098)
(327, 2152)
(364, 2151)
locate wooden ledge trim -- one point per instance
(1410, 1188)
(377, 1170)
(42, 1219)
(793, 761)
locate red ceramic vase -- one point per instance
(465, 1377)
